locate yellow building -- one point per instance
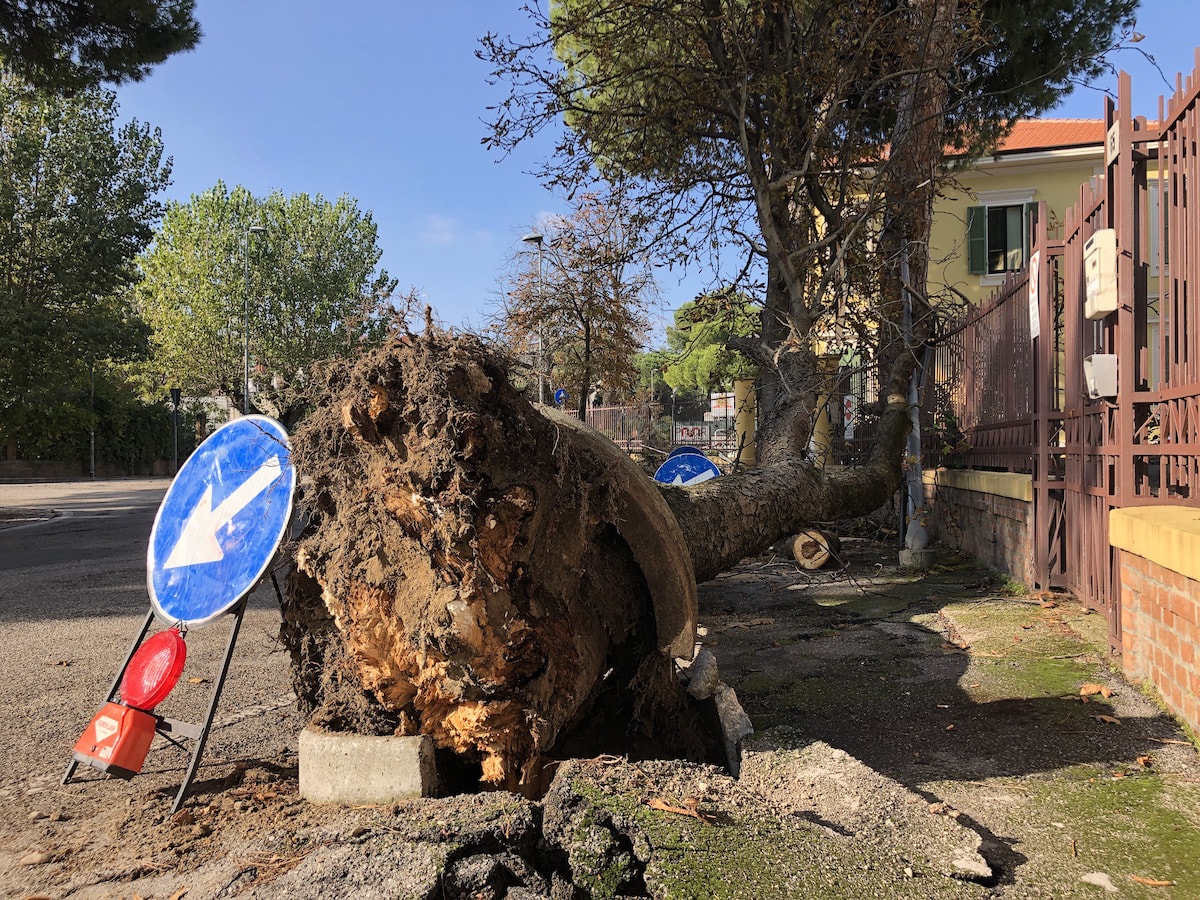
(981, 220)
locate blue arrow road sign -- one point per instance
(221, 521)
(686, 468)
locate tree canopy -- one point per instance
(77, 204)
(697, 357)
(806, 135)
(68, 45)
(306, 267)
(582, 303)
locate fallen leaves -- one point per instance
(1151, 882)
(1107, 720)
(1091, 689)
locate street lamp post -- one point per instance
(538, 240)
(176, 396)
(92, 418)
(253, 229)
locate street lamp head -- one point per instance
(535, 238)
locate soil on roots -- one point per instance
(467, 569)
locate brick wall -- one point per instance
(991, 527)
(1160, 632)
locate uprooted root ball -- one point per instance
(476, 570)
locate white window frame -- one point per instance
(1011, 197)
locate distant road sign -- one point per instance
(560, 396)
(221, 521)
(686, 468)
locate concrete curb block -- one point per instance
(340, 767)
(917, 560)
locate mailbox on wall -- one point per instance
(1100, 375)
(1100, 274)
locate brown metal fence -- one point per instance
(629, 427)
(1023, 402)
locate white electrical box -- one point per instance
(1100, 274)
(1100, 375)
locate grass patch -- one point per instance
(1125, 827)
(1019, 630)
(758, 856)
(1026, 679)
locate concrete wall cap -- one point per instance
(1168, 536)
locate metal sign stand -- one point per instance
(215, 537)
(238, 612)
(171, 729)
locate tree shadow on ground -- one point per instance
(926, 680)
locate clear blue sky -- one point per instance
(384, 101)
(1171, 37)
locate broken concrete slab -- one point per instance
(703, 678)
(829, 786)
(661, 828)
(735, 725)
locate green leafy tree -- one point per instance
(69, 45)
(77, 204)
(805, 137)
(698, 353)
(304, 267)
(580, 307)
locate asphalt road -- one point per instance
(72, 599)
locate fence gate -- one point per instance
(1110, 414)
(1118, 388)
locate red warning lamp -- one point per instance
(154, 670)
(117, 740)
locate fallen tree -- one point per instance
(501, 577)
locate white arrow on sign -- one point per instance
(198, 540)
(695, 479)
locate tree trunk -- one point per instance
(813, 548)
(503, 578)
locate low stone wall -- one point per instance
(1158, 551)
(986, 514)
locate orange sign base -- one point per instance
(116, 741)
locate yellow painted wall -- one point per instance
(1166, 535)
(1056, 182)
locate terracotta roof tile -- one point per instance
(1049, 134)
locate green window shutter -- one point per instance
(977, 240)
(1031, 209)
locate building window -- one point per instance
(1005, 241)
(1157, 200)
(998, 232)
